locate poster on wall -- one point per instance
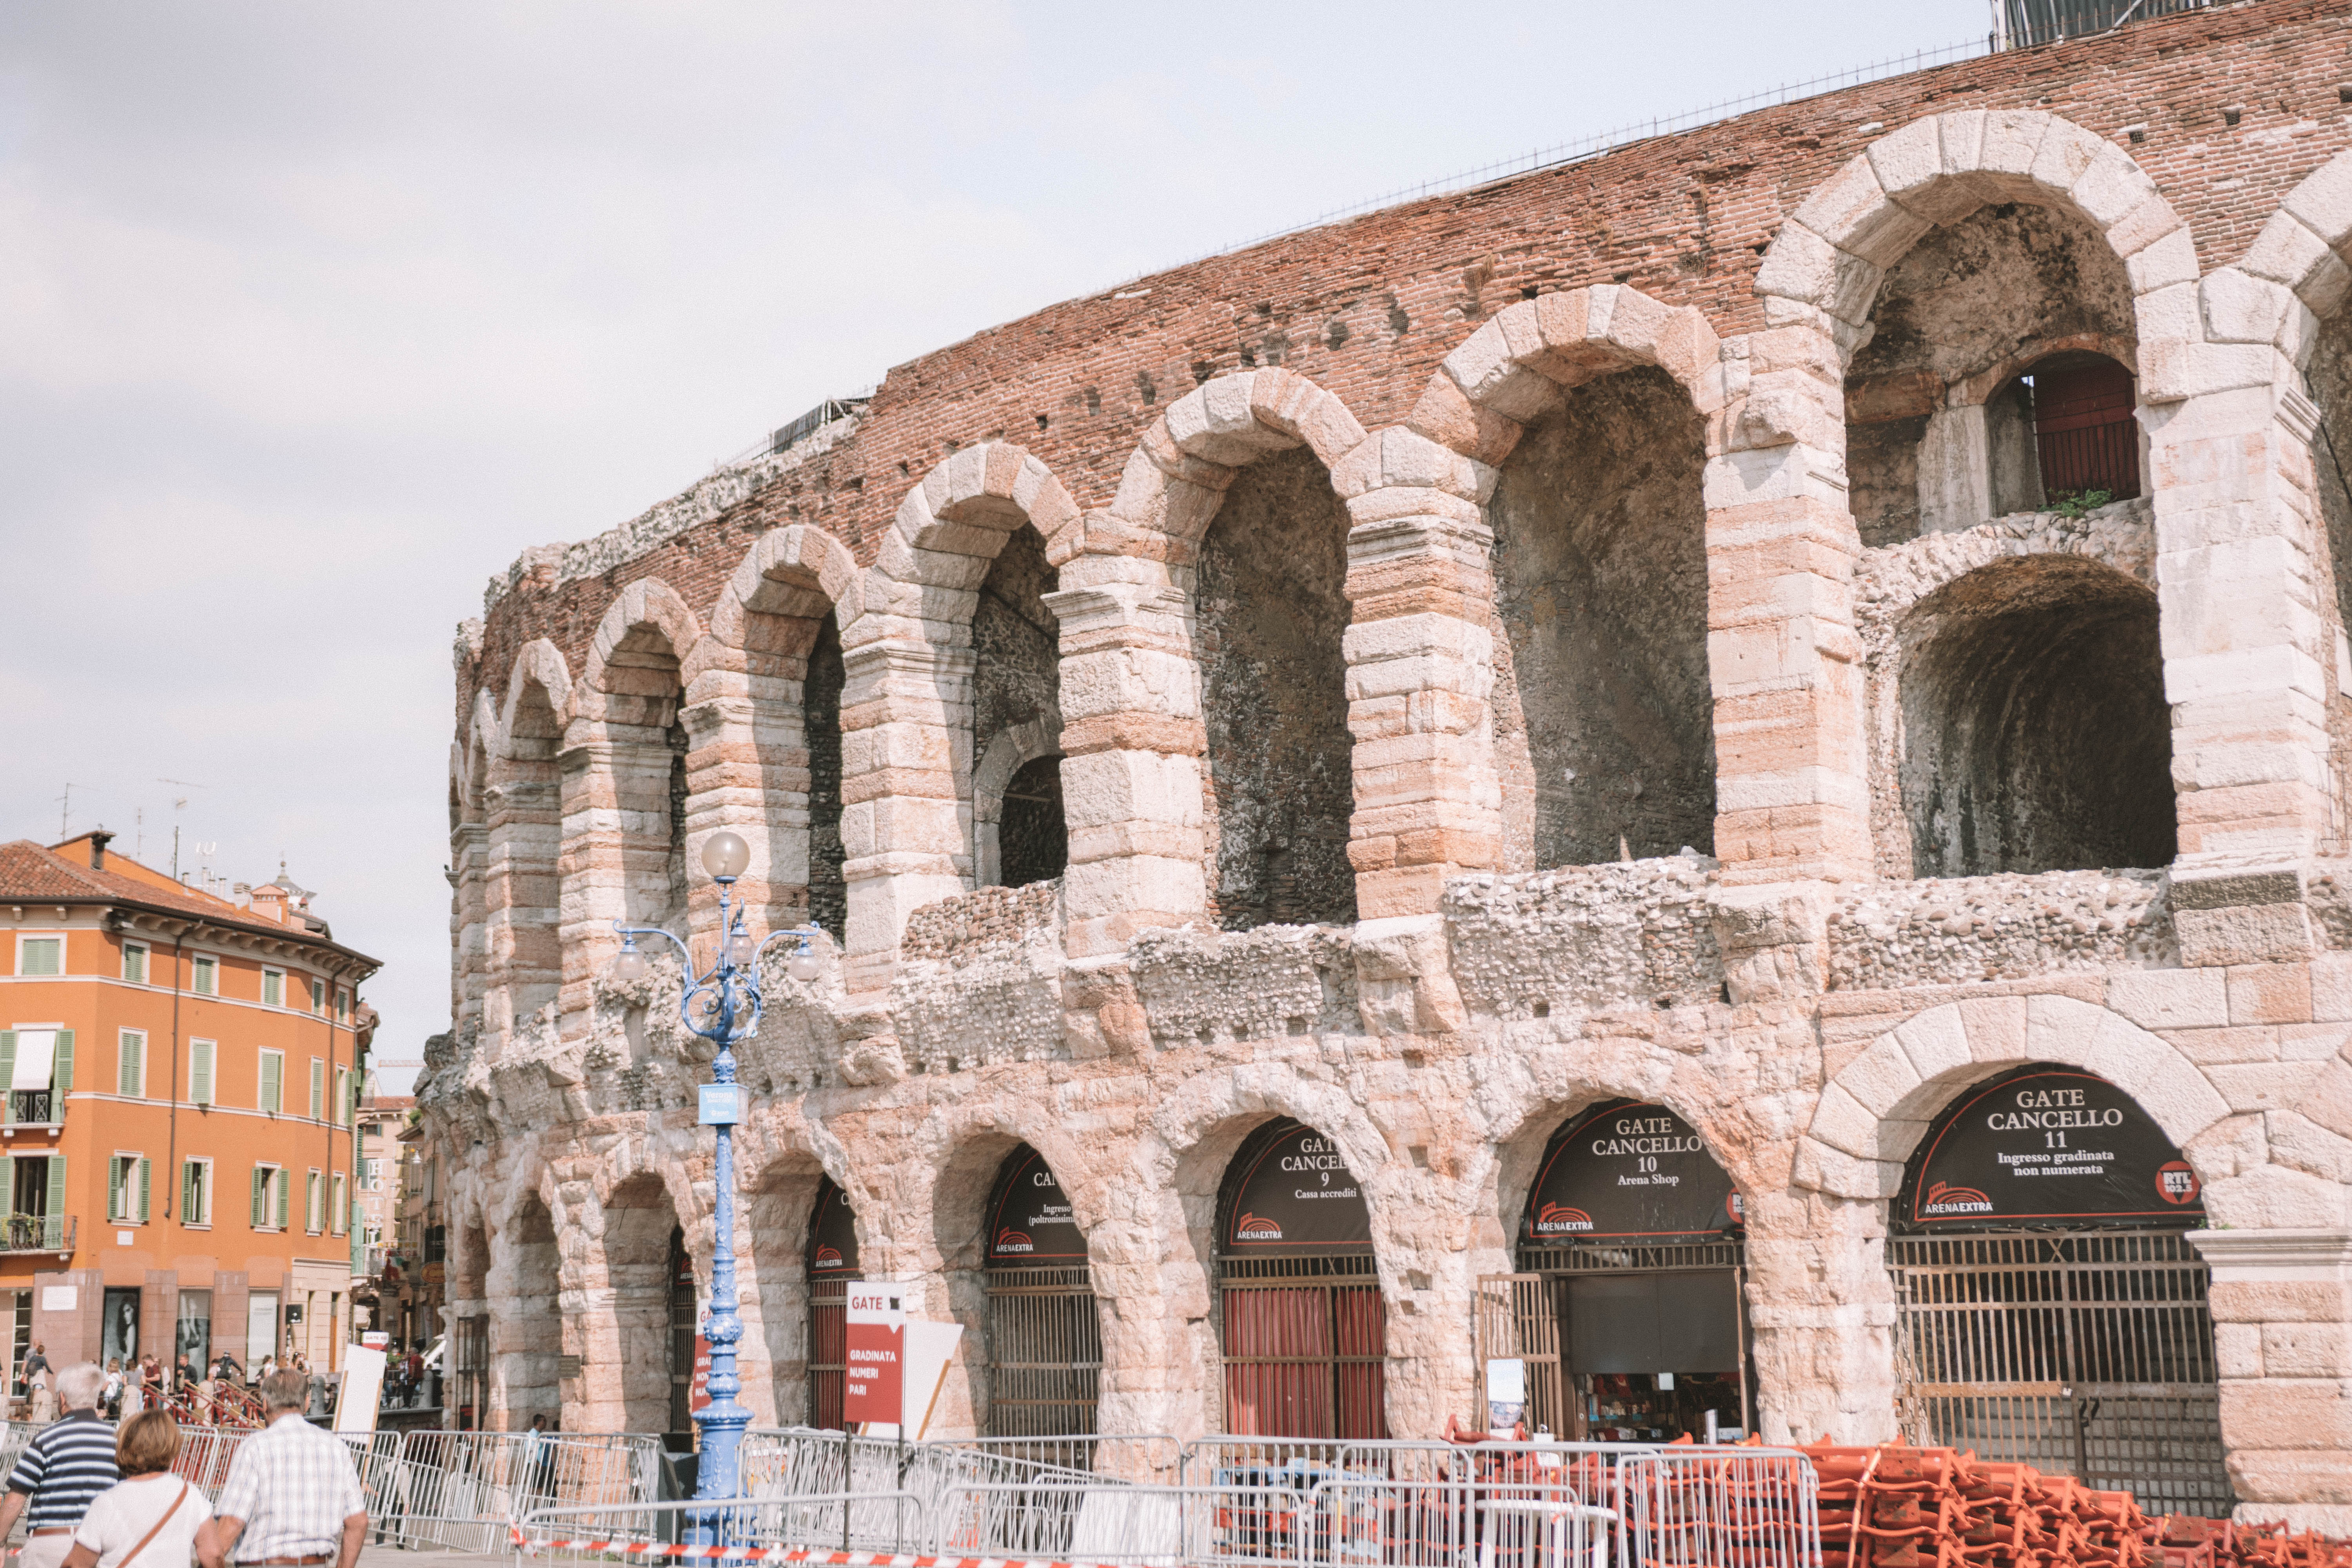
(1296, 1196)
(1629, 1171)
(1029, 1218)
(832, 1235)
(2048, 1145)
(119, 1335)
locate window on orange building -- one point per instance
(273, 1082)
(128, 1181)
(38, 956)
(317, 1090)
(314, 1203)
(196, 1192)
(134, 962)
(344, 1095)
(131, 1064)
(338, 1205)
(200, 1071)
(318, 997)
(205, 970)
(273, 988)
(270, 1197)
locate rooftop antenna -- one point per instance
(64, 805)
(178, 805)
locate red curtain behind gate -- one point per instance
(2084, 430)
(1306, 1361)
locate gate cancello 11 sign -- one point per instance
(2048, 1146)
(1625, 1172)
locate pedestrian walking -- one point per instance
(293, 1498)
(68, 1464)
(44, 1397)
(150, 1518)
(36, 1360)
(110, 1396)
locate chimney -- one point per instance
(99, 839)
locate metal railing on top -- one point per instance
(38, 1233)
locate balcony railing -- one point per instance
(37, 1233)
(30, 1105)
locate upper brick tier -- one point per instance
(1368, 308)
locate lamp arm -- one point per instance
(684, 957)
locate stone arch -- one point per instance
(776, 1203)
(638, 1216)
(541, 664)
(1831, 252)
(774, 705)
(524, 875)
(1877, 1106)
(1593, 721)
(468, 844)
(646, 610)
(2300, 249)
(909, 658)
(526, 1320)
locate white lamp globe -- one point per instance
(724, 856)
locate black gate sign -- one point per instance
(1296, 1197)
(832, 1234)
(1028, 1218)
(2048, 1145)
(1629, 1171)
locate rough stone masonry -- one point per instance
(1605, 634)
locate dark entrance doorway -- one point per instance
(1301, 1326)
(1627, 1320)
(1044, 1328)
(683, 1341)
(832, 1267)
(2049, 1308)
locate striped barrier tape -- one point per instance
(788, 1554)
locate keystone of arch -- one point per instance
(1833, 251)
(1874, 1112)
(799, 572)
(1518, 366)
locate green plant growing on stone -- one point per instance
(2074, 503)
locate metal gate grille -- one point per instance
(828, 1349)
(2088, 1353)
(1045, 1351)
(1305, 1346)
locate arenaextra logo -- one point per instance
(1251, 1227)
(827, 1257)
(1559, 1217)
(1945, 1199)
(1010, 1240)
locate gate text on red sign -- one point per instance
(875, 1333)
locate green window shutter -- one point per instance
(130, 1070)
(273, 1069)
(200, 1071)
(62, 1079)
(57, 1189)
(146, 1186)
(188, 1215)
(285, 1191)
(317, 1090)
(260, 1196)
(114, 1188)
(7, 1074)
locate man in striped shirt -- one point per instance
(70, 1462)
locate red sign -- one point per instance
(698, 1390)
(876, 1336)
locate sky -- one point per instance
(313, 316)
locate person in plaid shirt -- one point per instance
(293, 1497)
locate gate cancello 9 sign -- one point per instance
(1627, 1171)
(1297, 1198)
(2048, 1146)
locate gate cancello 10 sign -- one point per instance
(2046, 1146)
(1629, 1172)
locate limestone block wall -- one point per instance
(1589, 636)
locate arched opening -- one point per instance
(526, 847)
(1301, 1327)
(527, 1348)
(643, 703)
(2049, 1310)
(1017, 719)
(1628, 1315)
(2330, 377)
(652, 1284)
(1604, 709)
(1270, 615)
(1940, 435)
(1044, 1328)
(830, 1267)
(828, 889)
(2035, 733)
(470, 1334)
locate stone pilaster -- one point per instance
(906, 722)
(2282, 1303)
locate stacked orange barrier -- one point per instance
(1938, 1507)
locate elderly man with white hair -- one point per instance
(66, 1465)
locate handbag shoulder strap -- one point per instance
(152, 1530)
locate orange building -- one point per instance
(179, 1073)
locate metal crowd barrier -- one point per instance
(638, 1531)
(205, 1455)
(461, 1491)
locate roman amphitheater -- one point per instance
(1732, 753)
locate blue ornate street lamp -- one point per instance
(721, 1006)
